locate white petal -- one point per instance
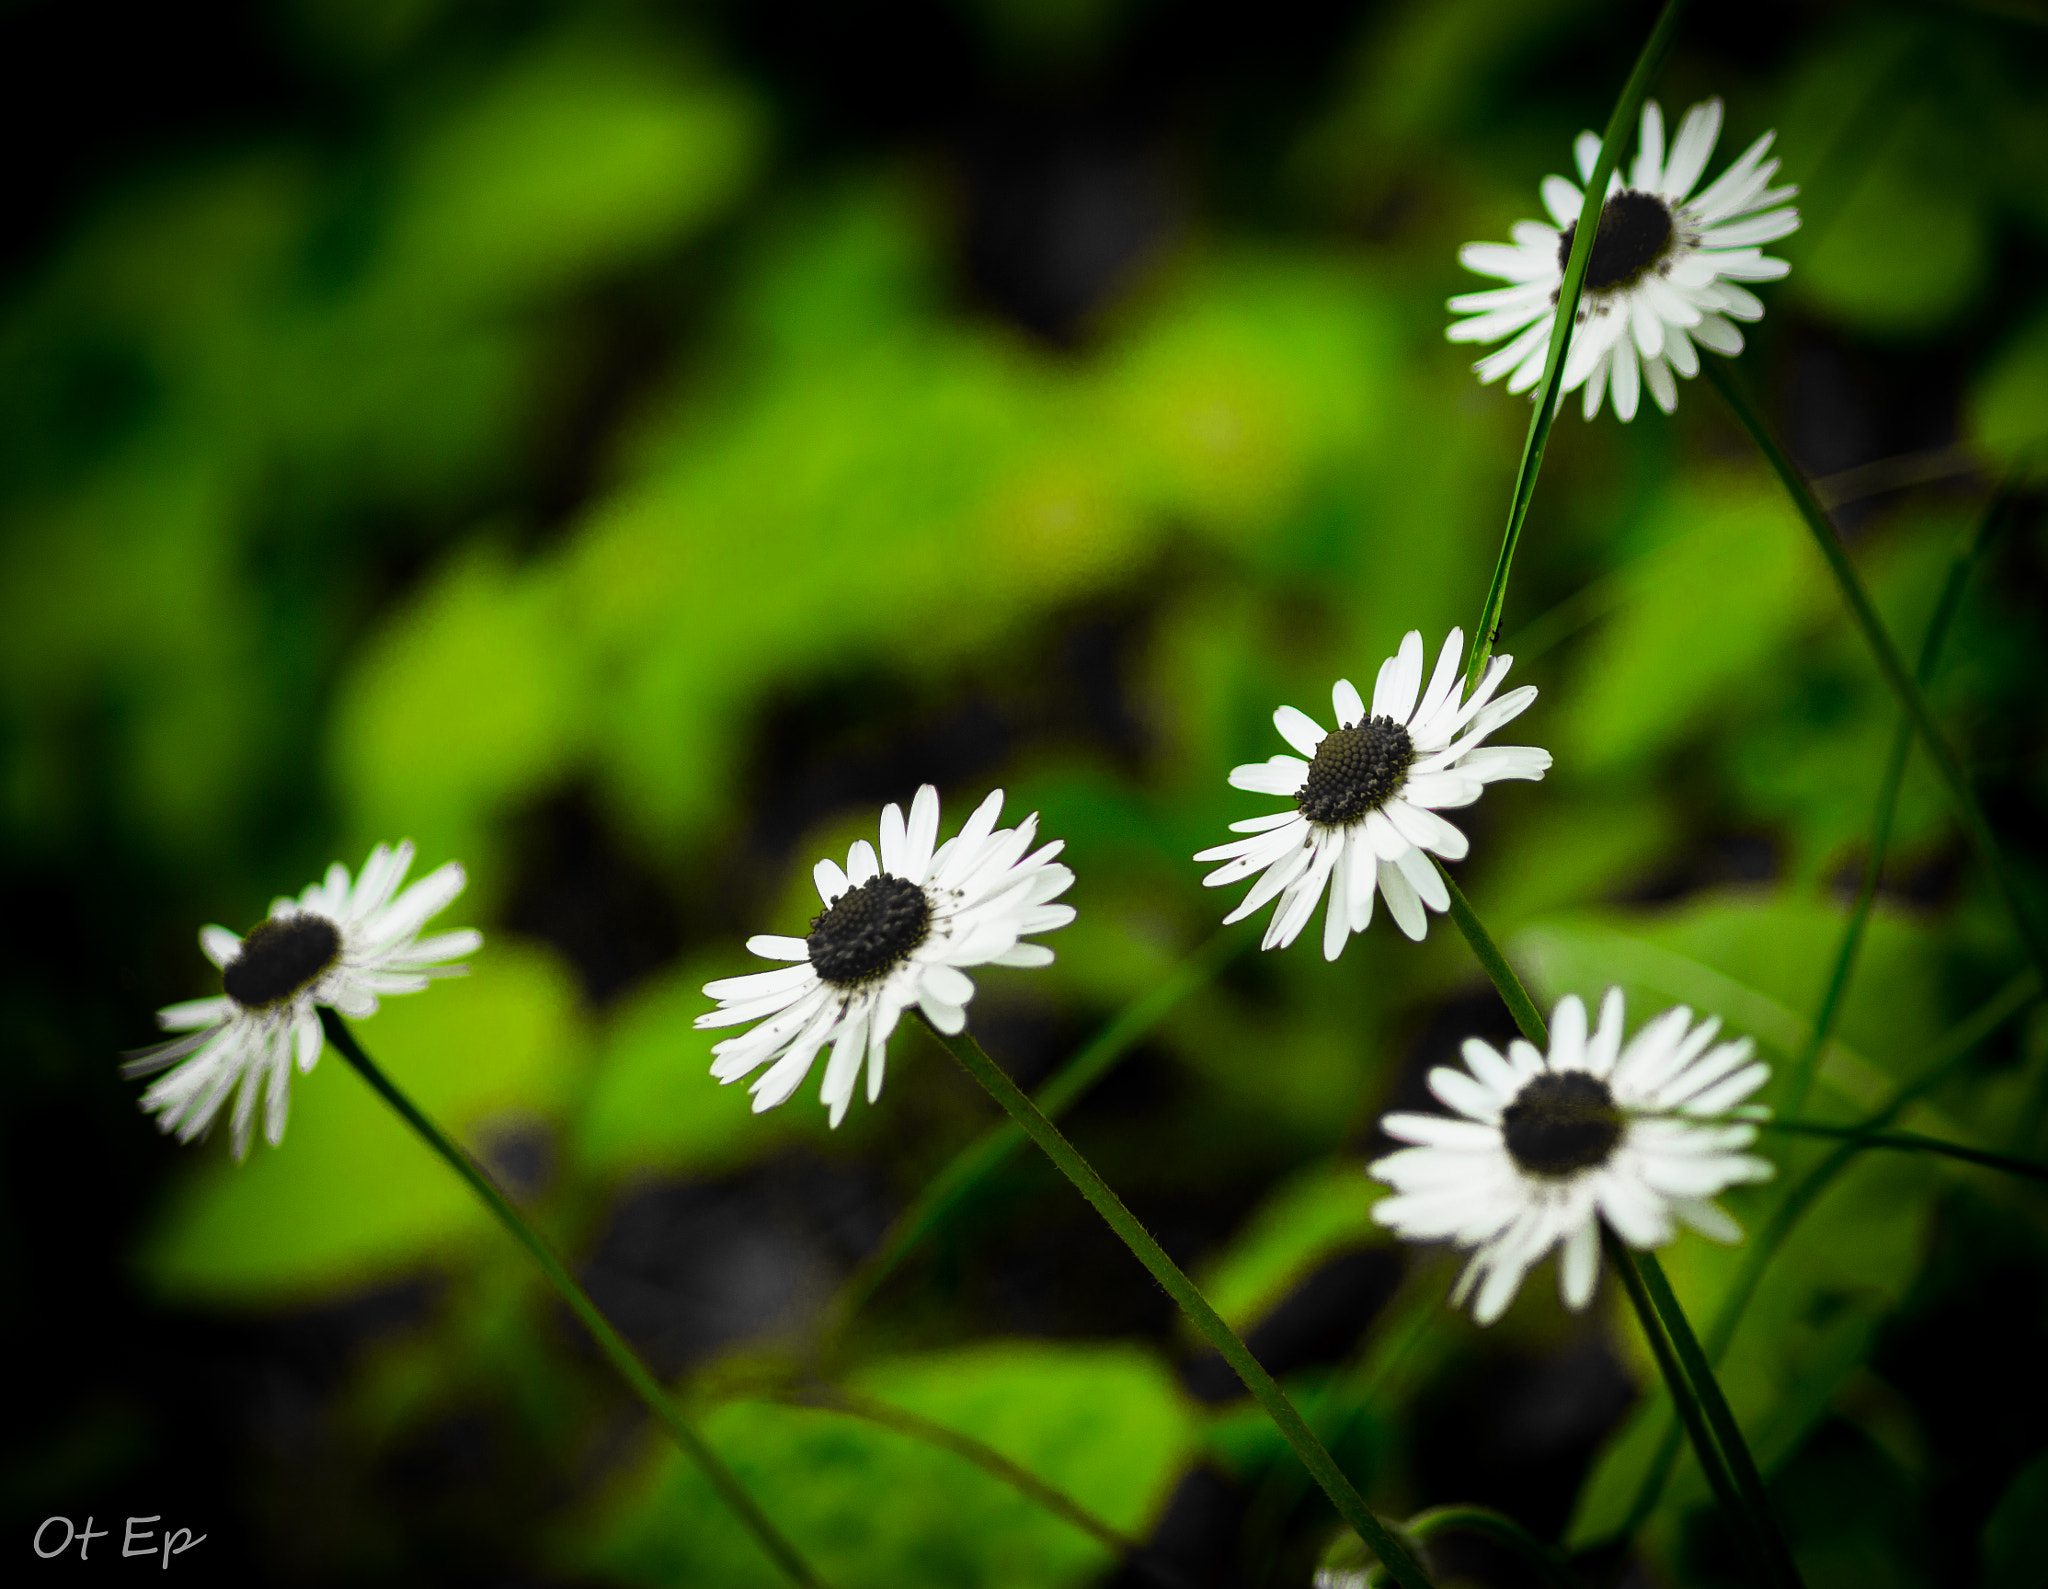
(1494, 1073)
(1460, 1092)
(219, 945)
(1568, 1034)
(1691, 149)
(1709, 1219)
(1443, 683)
(1442, 791)
(1425, 879)
(1426, 830)
(861, 864)
(894, 832)
(1647, 329)
(1624, 377)
(1507, 262)
(1347, 703)
(1563, 199)
(772, 946)
(1337, 909)
(1648, 171)
(1530, 344)
(1657, 376)
(1718, 334)
(1384, 838)
(1579, 1265)
(1403, 903)
(948, 985)
(758, 984)
(924, 834)
(1596, 390)
(849, 1049)
(195, 1013)
(1604, 1047)
(948, 1018)
(1586, 154)
(831, 881)
(1281, 775)
(1298, 729)
(1400, 679)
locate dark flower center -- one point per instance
(1561, 1123)
(868, 930)
(1635, 230)
(280, 957)
(1354, 771)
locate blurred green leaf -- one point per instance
(2015, 1546)
(1728, 579)
(468, 699)
(589, 153)
(652, 1103)
(1319, 1214)
(1756, 960)
(874, 1509)
(2008, 412)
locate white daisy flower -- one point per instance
(895, 931)
(335, 944)
(1664, 275)
(1367, 797)
(1543, 1149)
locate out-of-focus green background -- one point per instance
(620, 445)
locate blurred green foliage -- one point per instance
(290, 567)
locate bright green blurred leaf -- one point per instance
(652, 1102)
(1731, 578)
(587, 155)
(874, 1509)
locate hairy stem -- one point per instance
(1749, 1484)
(1321, 1465)
(988, 1153)
(1912, 1142)
(1623, 1263)
(1528, 1020)
(635, 1373)
(1619, 126)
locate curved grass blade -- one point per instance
(774, 1544)
(1887, 654)
(1800, 1078)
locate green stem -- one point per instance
(884, 1415)
(1550, 387)
(1623, 1262)
(1887, 655)
(1378, 1538)
(1808, 1060)
(1911, 1142)
(982, 1157)
(1502, 1530)
(1749, 1484)
(623, 1357)
(1513, 994)
(1953, 1052)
